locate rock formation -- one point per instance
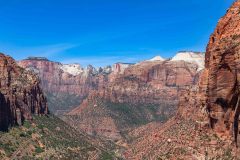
(192, 57)
(65, 82)
(217, 99)
(207, 120)
(119, 68)
(59, 78)
(149, 87)
(156, 83)
(223, 68)
(20, 94)
(218, 94)
(150, 82)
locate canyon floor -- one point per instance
(157, 109)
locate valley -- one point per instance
(183, 107)
(124, 96)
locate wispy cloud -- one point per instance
(43, 51)
(52, 50)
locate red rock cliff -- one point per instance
(54, 79)
(139, 86)
(20, 94)
(217, 96)
(151, 82)
(223, 66)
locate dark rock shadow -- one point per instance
(5, 114)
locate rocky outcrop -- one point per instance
(59, 78)
(192, 57)
(118, 68)
(20, 94)
(66, 82)
(217, 95)
(223, 67)
(156, 83)
(207, 120)
(149, 90)
(192, 100)
(145, 82)
(151, 82)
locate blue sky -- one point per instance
(101, 32)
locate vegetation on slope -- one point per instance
(48, 137)
(62, 102)
(133, 115)
(113, 121)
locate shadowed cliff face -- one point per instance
(20, 94)
(223, 66)
(5, 113)
(216, 98)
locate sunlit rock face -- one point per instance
(57, 77)
(119, 68)
(151, 82)
(157, 82)
(66, 84)
(223, 66)
(192, 57)
(20, 94)
(144, 92)
(216, 97)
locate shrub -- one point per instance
(38, 150)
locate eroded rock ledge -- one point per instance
(20, 94)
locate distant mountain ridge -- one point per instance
(156, 83)
(76, 68)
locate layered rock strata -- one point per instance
(20, 94)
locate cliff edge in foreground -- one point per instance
(20, 94)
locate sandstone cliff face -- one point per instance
(151, 87)
(149, 90)
(151, 82)
(147, 82)
(192, 100)
(212, 103)
(64, 83)
(55, 79)
(223, 67)
(217, 95)
(20, 94)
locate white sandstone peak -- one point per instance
(193, 57)
(73, 69)
(157, 58)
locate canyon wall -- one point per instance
(65, 85)
(206, 124)
(143, 93)
(60, 78)
(151, 82)
(118, 95)
(223, 67)
(20, 94)
(215, 100)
